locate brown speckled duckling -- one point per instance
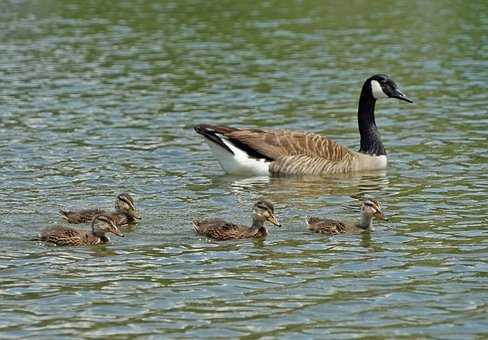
(125, 212)
(221, 230)
(61, 236)
(370, 208)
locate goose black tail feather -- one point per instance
(210, 132)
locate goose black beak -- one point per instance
(400, 95)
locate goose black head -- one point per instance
(381, 86)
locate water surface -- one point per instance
(100, 97)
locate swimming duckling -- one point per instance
(125, 212)
(62, 236)
(370, 208)
(221, 230)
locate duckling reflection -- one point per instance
(280, 189)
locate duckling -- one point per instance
(370, 208)
(221, 230)
(125, 212)
(62, 236)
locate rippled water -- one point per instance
(99, 98)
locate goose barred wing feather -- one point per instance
(308, 165)
(278, 143)
(221, 230)
(294, 152)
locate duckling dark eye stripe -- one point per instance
(375, 207)
(124, 199)
(109, 221)
(124, 195)
(265, 207)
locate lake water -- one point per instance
(97, 98)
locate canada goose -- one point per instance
(101, 225)
(283, 152)
(221, 230)
(370, 208)
(125, 212)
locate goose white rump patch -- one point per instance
(238, 163)
(368, 162)
(381, 162)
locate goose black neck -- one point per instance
(370, 137)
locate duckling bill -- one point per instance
(62, 236)
(124, 214)
(221, 230)
(370, 209)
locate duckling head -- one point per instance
(372, 208)
(264, 211)
(103, 224)
(125, 204)
(381, 86)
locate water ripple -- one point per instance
(98, 100)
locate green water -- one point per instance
(99, 97)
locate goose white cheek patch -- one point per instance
(377, 90)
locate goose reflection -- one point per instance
(281, 189)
